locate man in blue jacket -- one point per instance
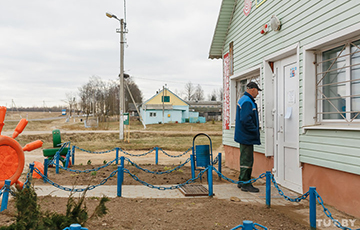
(247, 133)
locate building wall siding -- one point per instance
(331, 149)
(303, 22)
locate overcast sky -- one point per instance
(50, 48)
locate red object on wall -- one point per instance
(264, 29)
(247, 7)
(226, 85)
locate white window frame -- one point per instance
(352, 33)
(248, 75)
(348, 95)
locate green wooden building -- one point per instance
(305, 55)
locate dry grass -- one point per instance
(172, 136)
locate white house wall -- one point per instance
(303, 22)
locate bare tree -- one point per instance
(199, 93)
(71, 101)
(102, 98)
(220, 92)
(213, 95)
(189, 91)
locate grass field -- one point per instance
(171, 136)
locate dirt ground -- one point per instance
(190, 213)
(194, 213)
(199, 213)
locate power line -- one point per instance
(181, 82)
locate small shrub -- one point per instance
(29, 216)
(89, 162)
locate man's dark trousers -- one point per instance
(246, 161)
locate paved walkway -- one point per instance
(221, 191)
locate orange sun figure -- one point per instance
(12, 157)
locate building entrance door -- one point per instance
(286, 124)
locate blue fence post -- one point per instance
(57, 156)
(67, 159)
(268, 188)
(122, 159)
(248, 225)
(73, 155)
(120, 177)
(192, 166)
(219, 164)
(117, 156)
(5, 196)
(76, 227)
(312, 205)
(46, 166)
(31, 166)
(210, 180)
(156, 155)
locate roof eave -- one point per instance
(224, 19)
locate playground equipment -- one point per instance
(57, 146)
(12, 157)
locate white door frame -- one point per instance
(286, 124)
(269, 97)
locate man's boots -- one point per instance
(249, 188)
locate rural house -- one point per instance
(166, 107)
(305, 55)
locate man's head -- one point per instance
(253, 89)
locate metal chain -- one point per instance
(298, 199)
(163, 187)
(2, 190)
(27, 181)
(57, 154)
(328, 213)
(215, 161)
(256, 224)
(159, 173)
(88, 170)
(95, 152)
(182, 154)
(137, 155)
(239, 182)
(91, 187)
(6, 188)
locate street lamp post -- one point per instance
(121, 75)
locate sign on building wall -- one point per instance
(259, 2)
(247, 7)
(226, 85)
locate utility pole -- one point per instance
(122, 96)
(121, 75)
